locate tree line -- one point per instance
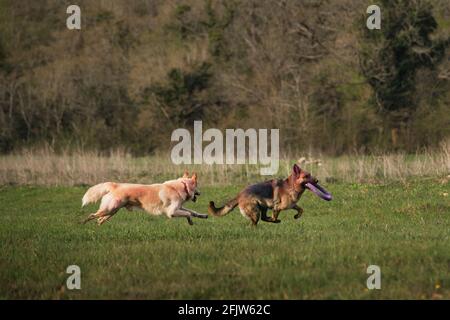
(139, 69)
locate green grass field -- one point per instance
(403, 228)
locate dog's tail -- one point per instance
(219, 212)
(96, 192)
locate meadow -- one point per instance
(363, 111)
(403, 227)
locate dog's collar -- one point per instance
(186, 190)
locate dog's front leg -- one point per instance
(195, 214)
(182, 213)
(275, 214)
(299, 211)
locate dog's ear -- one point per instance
(296, 170)
(186, 174)
(194, 177)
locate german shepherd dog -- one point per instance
(163, 198)
(277, 194)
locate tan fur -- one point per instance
(157, 199)
(278, 195)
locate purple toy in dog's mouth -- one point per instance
(319, 191)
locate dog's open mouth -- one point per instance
(319, 191)
(194, 198)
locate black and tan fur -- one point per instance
(276, 194)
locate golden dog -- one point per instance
(157, 199)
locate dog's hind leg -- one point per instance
(108, 208)
(102, 219)
(252, 211)
(89, 218)
(100, 212)
(254, 216)
(107, 215)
